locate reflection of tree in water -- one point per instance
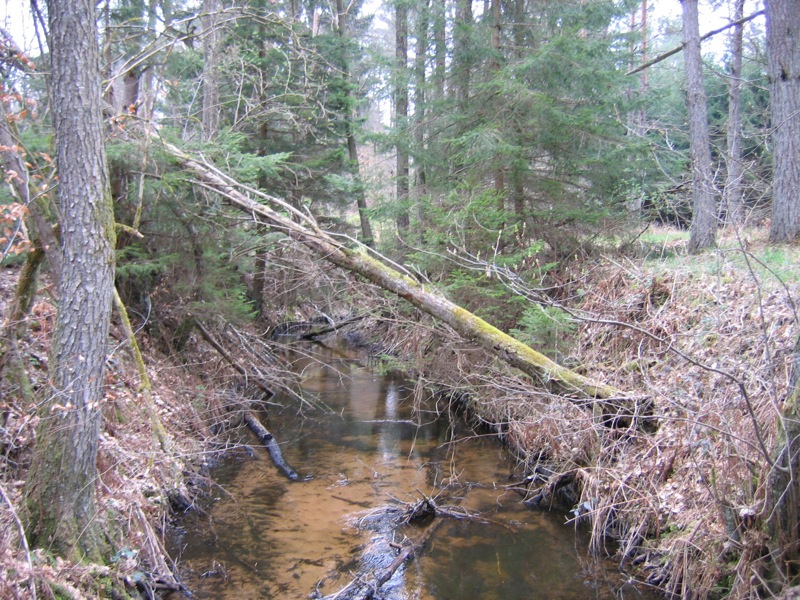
(278, 539)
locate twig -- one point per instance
(22, 538)
(229, 359)
(703, 38)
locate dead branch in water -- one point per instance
(204, 333)
(365, 585)
(269, 442)
(331, 328)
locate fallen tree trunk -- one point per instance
(304, 229)
(269, 442)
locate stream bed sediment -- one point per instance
(365, 452)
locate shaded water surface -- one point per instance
(263, 536)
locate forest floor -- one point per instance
(706, 339)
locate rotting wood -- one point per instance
(366, 585)
(270, 443)
(612, 404)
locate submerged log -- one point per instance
(367, 584)
(269, 442)
(320, 331)
(608, 404)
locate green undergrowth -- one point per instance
(748, 253)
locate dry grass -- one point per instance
(707, 338)
(139, 484)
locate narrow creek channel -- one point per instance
(263, 536)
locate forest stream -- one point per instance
(364, 454)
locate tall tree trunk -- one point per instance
(148, 91)
(783, 69)
(499, 172)
(519, 166)
(401, 112)
(439, 14)
(638, 54)
(60, 489)
(704, 220)
(637, 119)
(352, 146)
(462, 59)
(436, 169)
(211, 42)
(644, 57)
(420, 89)
(734, 190)
(518, 192)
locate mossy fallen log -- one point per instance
(609, 405)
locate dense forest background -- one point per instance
(525, 158)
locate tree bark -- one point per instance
(733, 194)
(352, 146)
(783, 70)
(430, 301)
(211, 42)
(704, 220)
(60, 489)
(401, 113)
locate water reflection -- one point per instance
(266, 537)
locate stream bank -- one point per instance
(367, 451)
(686, 502)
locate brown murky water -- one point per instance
(263, 536)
